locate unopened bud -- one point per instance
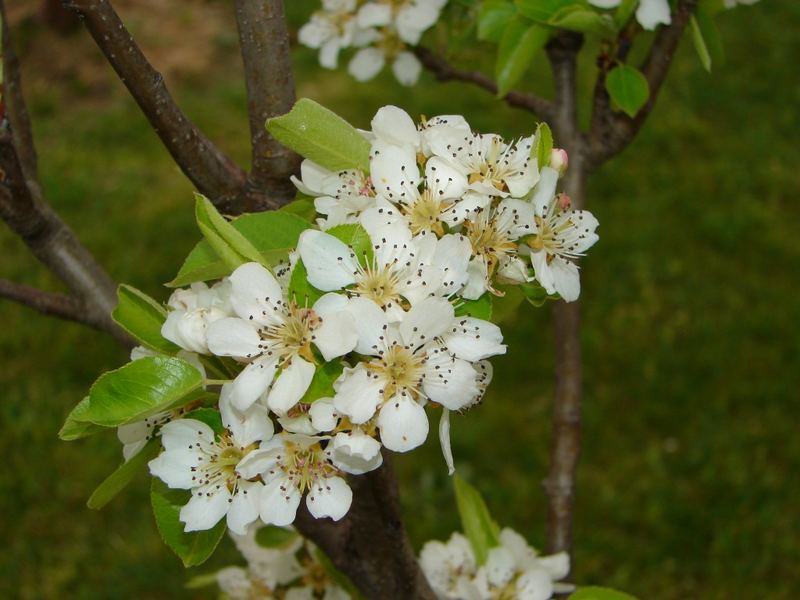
(564, 201)
(559, 160)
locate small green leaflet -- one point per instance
(519, 43)
(542, 10)
(628, 89)
(624, 13)
(321, 385)
(272, 536)
(192, 548)
(493, 17)
(583, 19)
(273, 233)
(229, 244)
(542, 145)
(707, 40)
(599, 593)
(302, 206)
(480, 308)
(355, 236)
(140, 389)
(300, 291)
(116, 482)
(74, 428)
(209, 416)
(142, 317)
(319, 134)
(535, 294)
(481, 531)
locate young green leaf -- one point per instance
(542, 145)
(209, 416)
(321, 385)
(624, 13)
(480, 308)
(493, 17)
(599, 593)
(707, 40)
(230, 245)
(272, 536)
(274, 234)
(519, 44)
(535, 294)
(140, 389)
(75, 429)
(116, 482)
(481, 531)
(506, 307)
(319, 134)
(583, 19)
(300, 290)
(192, 548)
(302, 206)
(542, 10)
(201, 581)
(142, 317)
(628, 89)
(355, 236)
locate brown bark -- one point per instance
(264, 41)
(370, 544)
(56, 15)
(213, 173)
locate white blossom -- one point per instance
(275, 335)
(330, 30)
(193, 310)
(650, 13)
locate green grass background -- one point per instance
(689, 478)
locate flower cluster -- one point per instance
(513, 570)
(382, 30)
(291, 570)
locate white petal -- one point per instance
(557, 565)
(243, 508)
(204, 510)
(544, 275)
(331, 265)
(447, 182)
(403, 424)
(371, 325)
(356, 452)
(452, 255)
(367, 63)
(652, 13)
(426, 320)
(182, 433)
(255, 293)
(253, 381)
(329, 497)
(358, 394)
(323, 414)
(450, 381)
(374, 15)
(566, 279)
(444, 440)
(279, 502)
(605, 3)
(290, 385)
(534, 585)
(329, 54)
(174, 467)
(474, 339)
(394, 125)
(337, 335)
(499, 566)
(476, 283)
(233, 337)
(394, 171)
(262, 460)
(406, 68)
(248, 426)
(544, 190)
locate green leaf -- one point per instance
(230, 245)
(599, 593)
(624, 13)
(542, 145)
(142, 317)
(192, 548)
(209, 416)
(519, 44)
(628, 89)
(272, 536)
(116, 482)
(74, 428)
(300, 290)
(543, 10)
(302, 206)
(711, 7)
(140, 389)
(321, 385)
(480, 308)
(493, 17)
(273, 233)
(201, 581)
(507, 306)
(582, 19)
(320, 135)
(707, 40)
(355, 236)
(535, 294)
(481, 531)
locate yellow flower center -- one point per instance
(400, 369)
(425, 213)
(293, 336)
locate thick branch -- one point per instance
(611, 132)
(369, 544)
(49, 303)
(213, 173)
(264, 40)
(444, 71)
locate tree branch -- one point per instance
(611, 132)
(264, 41)
(444, 71)
(369, 544)
(212, 173)
(49, 303)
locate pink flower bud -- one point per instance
(559, 160)
(564, 201)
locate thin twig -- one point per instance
(213, 173)
(264, 41)
(444, 71)
(48, 303)
(611, 131)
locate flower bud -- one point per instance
(559, 160)
(564, 201)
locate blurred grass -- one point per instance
(688, 483)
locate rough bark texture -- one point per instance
(213, 173)
(370, 544)
(264, 41)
